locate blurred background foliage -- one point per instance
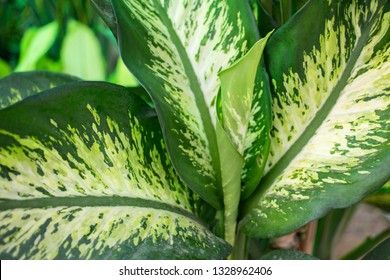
(59, 35)
(68, 36)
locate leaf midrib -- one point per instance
(313, 126)
(92, 201)
(198, 94)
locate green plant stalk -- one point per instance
(267, 5)
(330, 230)
(366, 246)
(240, 249)
(285, 10)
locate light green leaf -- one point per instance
(238, 107)
(81, 55)
(175, 49)
(232, 163)
(35, 44)
(5, 69)
(19, 86)
(246, 114)
(330, 142)
(94, 182)
(237, 95)
(122, 76)
(257, 141)
(48, 64)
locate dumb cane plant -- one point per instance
(234, 146)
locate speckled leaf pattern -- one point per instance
(237, 94)
(257, 140)
(245, 113)
(238, 103)
(330, 141)
(176, 49)
(26, 84)
(94, 182)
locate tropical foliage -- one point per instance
(255, 124)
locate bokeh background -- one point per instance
(64, 36)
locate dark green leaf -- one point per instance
(368, 245)
(380, 252)
(287, 254)
(17, 87)
(265, 23)
(106, 12)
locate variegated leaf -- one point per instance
(257, 140)
(176, 49)
(237, 95)
(245, 113)
(330, 142)
(84, 174)
(17, 87)
(241, 117)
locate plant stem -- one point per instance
(329, 231)
(282, 12)
(366, 246)
(267, 5)
(240, 249)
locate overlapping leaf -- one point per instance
(245, 113)
(331, 105)
(242, 131)
(381, 252)
(17, 87)
(176, 49)
(94, 181)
